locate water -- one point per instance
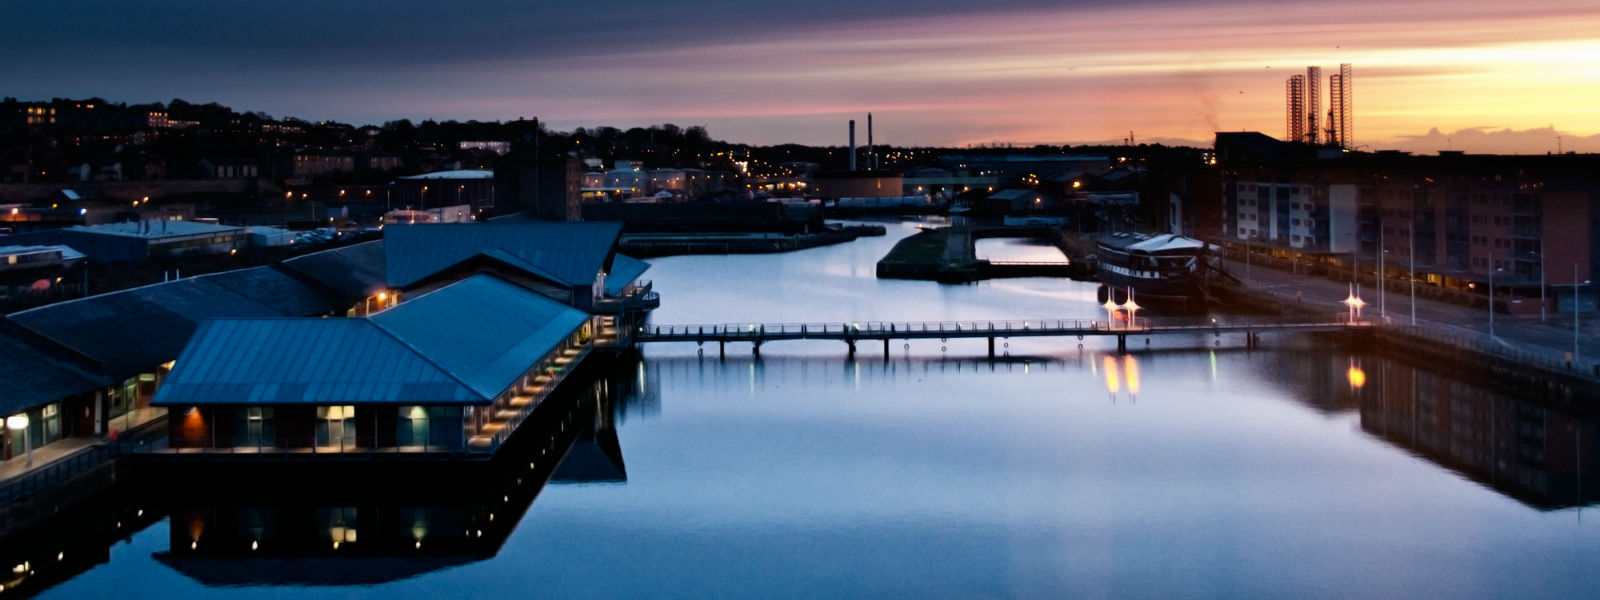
(1193, 470)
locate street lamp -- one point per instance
(19, 422)
(1411, 252)
(1381, 252)
(1491, 304)
(1132, 308)
(1383, 281)
(1575, 306)
(1542, 302)
(1355, 304)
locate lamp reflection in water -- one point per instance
(1355, 375)
(1113, 376)
(1118, 376)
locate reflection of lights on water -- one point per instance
(1130, 365)
(1213, 354)
(1356, 376)
(1113, 378)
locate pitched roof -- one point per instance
(133, 330)
(572, 252)
(624, 270)
(313, 361)
(461, 344)
(485, 331)
(354, 272)
(277, 290)
(31, 375)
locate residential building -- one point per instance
(1456, 221)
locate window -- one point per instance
(336, 426)
(413, 426)
(255, 428)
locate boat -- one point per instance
(1163, 269)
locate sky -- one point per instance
(1474, 75)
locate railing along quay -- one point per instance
(851, 332)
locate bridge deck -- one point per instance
(886, 330)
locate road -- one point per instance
(1552, 339)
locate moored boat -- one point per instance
(1163, 269)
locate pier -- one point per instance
(850, 333)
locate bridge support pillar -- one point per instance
(991, 347)
(722, 349)
(755, 348)
(1122, 344)
(852, 345)
(886, 348)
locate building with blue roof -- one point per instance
(104, 358)
(455, 369)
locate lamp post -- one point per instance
(1354, 302)
(19, 422)
(1542, 303)
(1575, 306)
(1411, 252)
(1491, 304)
(1383, 280)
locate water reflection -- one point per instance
(1527, 446)
(1522, 447)
(69, 543)
(368, 536)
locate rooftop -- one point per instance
(463, 344)
(155, 229)
(462, 174)
(570, 253)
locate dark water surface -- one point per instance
(1191, 470)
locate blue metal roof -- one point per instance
(624, 270)
(464, 343)
(354, 272)
(572, 252)
(32, 375)
(134, 330)
(483, 330)
(304, 361)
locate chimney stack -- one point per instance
(852, 144)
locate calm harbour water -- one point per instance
(1192, 470)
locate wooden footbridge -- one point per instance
(757, 334)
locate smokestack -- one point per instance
(852, 144)
(871, 154)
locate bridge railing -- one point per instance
(878, 329)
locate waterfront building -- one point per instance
(1462, 220)
(49, 385)
(130, 338)
(119, 348)
(454, 368)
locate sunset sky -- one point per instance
(1469, 75)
